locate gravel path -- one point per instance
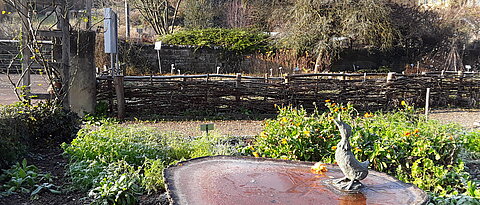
(466, 118)
(469, 118)
(227, 127)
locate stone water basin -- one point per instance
(246, 180)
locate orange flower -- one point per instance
(336, 109)
(416, 131)
(255, 154)
(407, 134)
(319, 168)
(333, 105)
(344, 108)
(358, 149)
(450, 138)
(327, 101)
(334, 147)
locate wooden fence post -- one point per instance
(390, 77)
(120, 91)
(206, 85)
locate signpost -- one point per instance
(207, 127)
(111, 47)
(158, 47)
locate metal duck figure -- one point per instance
(350, 166)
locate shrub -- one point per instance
(235, 40)
(415, 150)
(23, 125)
(116, 163)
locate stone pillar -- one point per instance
(83, 92)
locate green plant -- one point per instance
(297, 135)
(23, 125)
(118, 185)
(234, 40)
(23, 178)
(117, 162)
(153, 175)
(402, 144)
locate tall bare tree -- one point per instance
(323, 28)
(160, 14)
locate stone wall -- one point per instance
(191, 60)
(188, 60)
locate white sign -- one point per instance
(158, 45)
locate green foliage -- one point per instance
(23, 178)
(454, 200)
(234, 40)
(118, 185)
(472, 144)
(116, 163)
(401, 144)
(23, 125)
(153, 175)
(297, 135)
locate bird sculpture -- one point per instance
(353, 170)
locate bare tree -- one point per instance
(31, 44)
(324, 29)
(160, 14)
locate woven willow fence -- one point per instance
(190, 94)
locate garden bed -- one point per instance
(51, 160)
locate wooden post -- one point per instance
(427, 102)
(88, 7)
(120, 92)
(390, 77)
(237, 86)
(206, 85)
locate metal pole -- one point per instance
(112, 64)
(127, 21)
(159, 62)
